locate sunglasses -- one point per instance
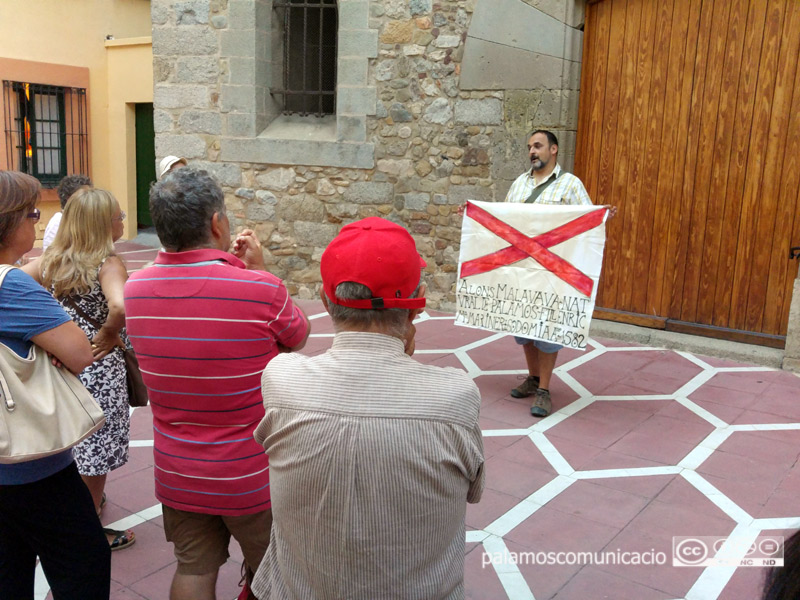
(121, 216)
(35, 215)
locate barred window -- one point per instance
(46, 130)
(310, 29)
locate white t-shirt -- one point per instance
(51, 230)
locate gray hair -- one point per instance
(69, 185)
(392, 321)
(182, 204)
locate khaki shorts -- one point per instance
(201, 541)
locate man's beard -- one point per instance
(537, 164)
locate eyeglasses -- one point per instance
(121, 216)
(35, 215)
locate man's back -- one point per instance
(373, 458)
(204, 328)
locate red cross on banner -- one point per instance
(549, 298)
(536, 247)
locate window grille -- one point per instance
(310, 28)
(46, 130)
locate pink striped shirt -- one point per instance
(204, 328)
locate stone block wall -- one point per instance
(791, 360)
(452, 88)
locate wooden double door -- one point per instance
(690, 124)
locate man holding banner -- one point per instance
(546, 303)
(545, 183)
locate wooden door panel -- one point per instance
(607, 144)
(670, 179)
(727, 52)
(780, 170)
(737, 166)
(646, 272)
(621, 148)
(688, 124)
(762, 189)
(643, 75)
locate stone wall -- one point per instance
(791, 359)
(458, 84)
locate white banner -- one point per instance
(530, 270)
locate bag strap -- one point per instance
(69, 300)
(537, 191)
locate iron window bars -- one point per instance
(46, 130)
(310, 29)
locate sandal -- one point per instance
(122, 539)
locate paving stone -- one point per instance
(618, 507)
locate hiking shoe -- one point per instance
(526, 388)
(541, 406)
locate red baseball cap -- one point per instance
(378, 254)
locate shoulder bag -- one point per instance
(137, 390)
(537, 191)
(44, 409)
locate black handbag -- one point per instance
(137, 390)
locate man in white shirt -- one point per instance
(66, 187)
(544, 183)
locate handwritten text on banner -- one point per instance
(530, 269)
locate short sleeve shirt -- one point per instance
(51, 230)
(566, 189)
(26, 310)
(374, 458)
(204, 328)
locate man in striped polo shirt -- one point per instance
(374, 455)
(204, 323)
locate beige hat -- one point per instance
(167, 163)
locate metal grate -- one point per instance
(46, 130)
(310, 28)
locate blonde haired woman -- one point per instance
(84, 274)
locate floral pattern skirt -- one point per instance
(107, 448)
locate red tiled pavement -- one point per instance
(615, 462)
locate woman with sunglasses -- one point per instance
(45, 509)
(82, 271)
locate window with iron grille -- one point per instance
(310, 29)
(45, 130)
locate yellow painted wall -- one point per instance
(73, 33)
(130, 82)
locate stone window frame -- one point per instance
(256, 131)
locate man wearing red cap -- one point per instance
(373, 455)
